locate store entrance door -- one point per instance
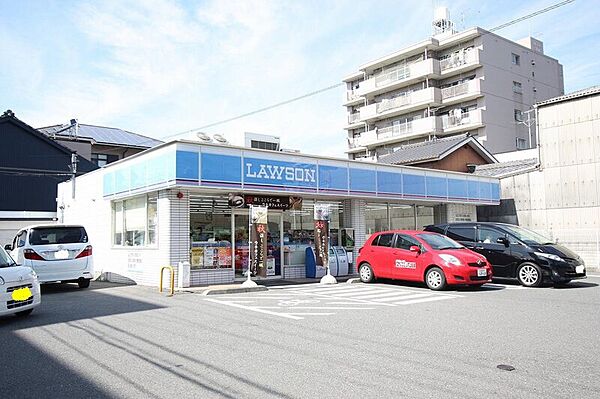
(241, 248)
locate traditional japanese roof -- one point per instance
(434, 150)
(507, 169)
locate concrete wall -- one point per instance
(562, 199)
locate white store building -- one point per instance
(171, 204)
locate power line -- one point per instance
(279, 104)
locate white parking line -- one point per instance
(390, 299)
(358, 292)
(315, 307)
(254, 309)
(384, 294)
(430, 299)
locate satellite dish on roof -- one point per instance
(204, 137)
(220, 138)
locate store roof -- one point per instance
(590, 91)
(100, 135)
(434, 150)
(507, 169)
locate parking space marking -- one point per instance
(299, 302)
(412, 302)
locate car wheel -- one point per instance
(24, 313)
(365, 273)
(83, 283)
(529, 275)
(435, 279)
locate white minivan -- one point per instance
(57, 253)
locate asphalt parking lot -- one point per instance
(384, 340)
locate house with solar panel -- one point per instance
(99, 144)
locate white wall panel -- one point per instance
(554, 218)
(584, 134)
(596, 133)
(567, 148)
(553, 188)
(569, 186)
(588, 185)
(549, 147)
(522, 197)
(538, 219)
(537, 192)
(507, 188)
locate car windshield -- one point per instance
(5, 259)
(527, 236)
(57, 235)
(438, 241)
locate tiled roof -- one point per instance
(430, 150)
(506, 169)
(103, 135)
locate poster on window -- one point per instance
(258, 241)
(321, 216)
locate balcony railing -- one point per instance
(353, 118)
(398, 73)
(392, 103)
(461, 118)
(351, 95)
(457, 60)
(393, 131)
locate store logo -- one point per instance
(276, 172)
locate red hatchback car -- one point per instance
(421, 256)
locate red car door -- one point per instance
(406, 262)
(381, 255)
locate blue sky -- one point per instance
(162, 67)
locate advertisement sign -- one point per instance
(321, 216)
(258, 240)
(269, 201)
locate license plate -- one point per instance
(22, 294)
(481, 272)
(579, 269)
(63, 254)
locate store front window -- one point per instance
(134, 221)
(210, 233)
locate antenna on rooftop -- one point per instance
(441, 22)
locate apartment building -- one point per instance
(451, 83)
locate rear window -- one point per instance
(462, 233)
(57, 235)
(384, 240)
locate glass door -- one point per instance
(241, 247)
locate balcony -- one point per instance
(462, 92)
(351, 97)
(400, 105)
(399, 76)
(353, 121)
(460, 122)
(396, 133)
(457, 63)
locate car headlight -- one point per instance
(1, 281)
(549, 256)
(450, 260)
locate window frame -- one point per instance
(520, 115)
(146, 245)
(515, 59)
(521, 140)
(474, 238)
(392, 241)
(518, 86)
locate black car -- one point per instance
(515, 252)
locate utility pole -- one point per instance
(73, 173)
(529, 122)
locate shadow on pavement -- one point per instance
(67, 302)
(575, 284)
(28, 372)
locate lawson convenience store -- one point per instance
(186, 201)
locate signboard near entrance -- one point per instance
(269, 201)
(258, 241)
(321, 217)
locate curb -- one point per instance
(236, 290)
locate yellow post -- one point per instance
(172, 274)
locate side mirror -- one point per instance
(8, 247)
(503, 240)
(415, 249)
